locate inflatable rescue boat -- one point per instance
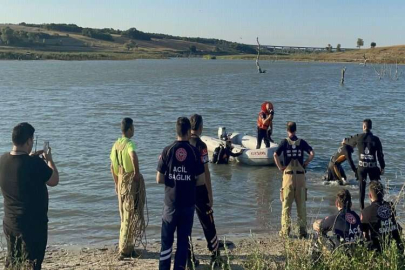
(244, 143)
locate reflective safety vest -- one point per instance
(260, 121)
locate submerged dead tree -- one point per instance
(385, 69)
(365, 60)
(259, 69)
(342, 78)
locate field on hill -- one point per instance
(75, 46)
(379, 55)
(71, 42)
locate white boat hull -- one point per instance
(247, 144)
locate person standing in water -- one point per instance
(335, 171)
(265, 124)
(369, 149)
(222, 153)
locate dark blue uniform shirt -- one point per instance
(180, 163)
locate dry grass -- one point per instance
(391, 54)
(63, 42)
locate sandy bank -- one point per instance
(82, 258)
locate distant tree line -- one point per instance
(21, 38)
(103, 34)
(97, 34)
(133, 33)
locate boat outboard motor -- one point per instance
(222, 133)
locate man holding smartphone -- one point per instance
(23, 181)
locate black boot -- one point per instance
(192, 262)
(216, 259)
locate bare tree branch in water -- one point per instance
(257, 58)
(365, 60)
(385, 69)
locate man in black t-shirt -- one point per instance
(23, 180)
(204, 200)
(293, 186)
(180, 169)
(345, 225)
(335, 170)
(378, 220)
(370, 149)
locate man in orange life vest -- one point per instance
(265, 124)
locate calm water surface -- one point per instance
(78, 106)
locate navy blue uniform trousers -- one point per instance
(180, 219)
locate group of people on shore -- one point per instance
(183, 170)
(376, 225)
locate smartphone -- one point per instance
(46, 147)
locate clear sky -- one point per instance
(282, 22)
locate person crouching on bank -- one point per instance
(345, 225)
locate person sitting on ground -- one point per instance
(222, 153)
(345, 225)
(378, 220)
(335, 171)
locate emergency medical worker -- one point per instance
(126, 175)
(204, 197)
(180, 169)
(378, 220)
(335, 170)
(345, 225)
(293, 186)
(265, 123)
(369, 147)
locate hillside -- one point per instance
(42, 42)
(72, 42)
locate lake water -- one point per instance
(78, 106)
